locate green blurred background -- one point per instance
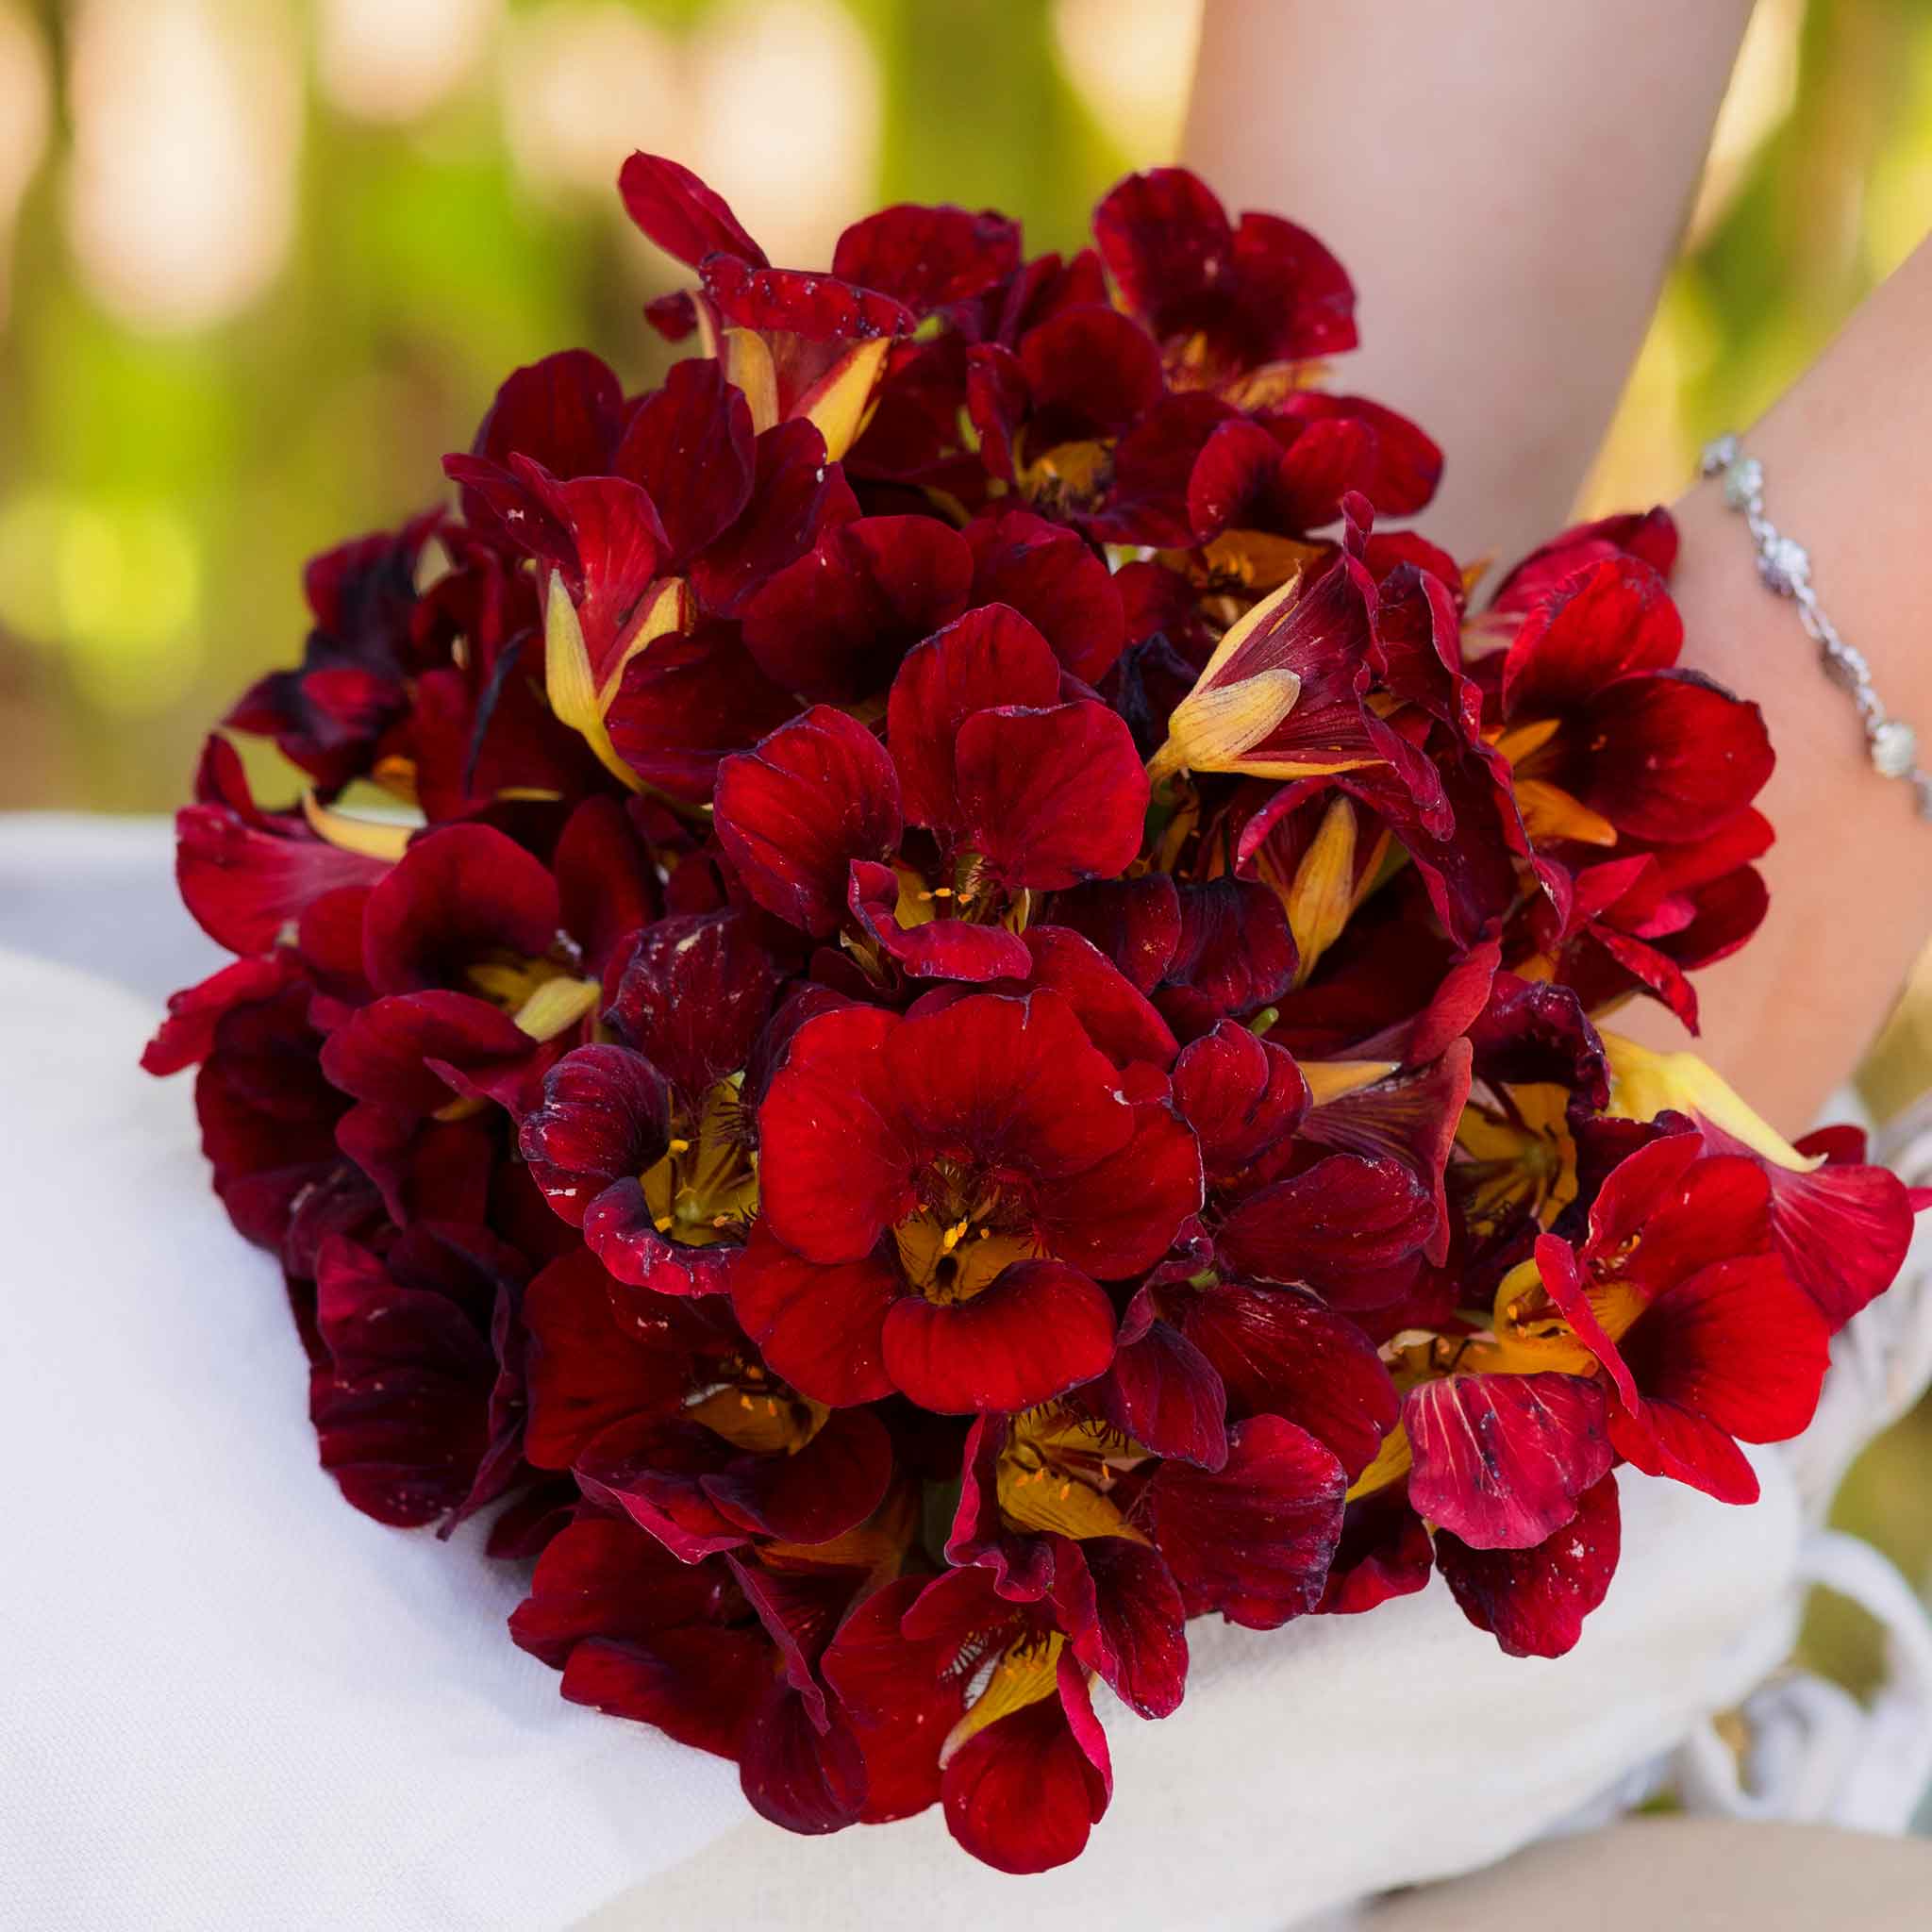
(263, 261)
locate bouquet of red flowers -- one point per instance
(979, 1038)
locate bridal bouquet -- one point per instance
(977, 1034)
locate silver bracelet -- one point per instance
(1784, 567)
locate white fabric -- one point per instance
(232, 1701)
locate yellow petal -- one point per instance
(1391, 1463)
(568, 683)
(371, 838)
(1026, 1673)
(1550, 814)
(1323, 897)
(556, 1005)
(1331, 1079)
(1210, 730)
(841, 404)
(1643, 1084)
(747, 361)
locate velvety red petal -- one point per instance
(1534, 1601)
(687, 702)
(693, 995)
(1340, 1229)
(899, 1698)
(1239, 1094)
(382, 1054)
(1615, 620)
(1051, 797)
(834, 1168)
(819, 1327)
(679, 213)
(793, 815)
(1012, 1082)
(1040, 1329)
(1254, 1538)
(803, 1778)
(1122, 1214)
(1236, 954)
(584, 1371)
(1055, 581)
(456, 897)
(1500, 1461)
(834, 626)
(1022, 1795)
(989, 657)
(605, 1114)
(1278, 1354)
(1123, 1610)
(242, 885)
(690, 446)
(1163, 1391)
(1136, 923)
(927, 258)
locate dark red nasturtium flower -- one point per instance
(941, 1196)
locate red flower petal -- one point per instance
(1254, 1538)
(1236, 954)
(927, 258)
(818, 1326)
(1122, 1214)
(1023, 1794)
(1040, 1329)
(1500, 1461)
(1278, 1354)
(384, 1053)
(1344, 1229)
(605, 1114)
(1616, 621)
(807, 1780)
(1053, 578)
(793, 814)
(242, 884)
(1239, 1094)
(1163, 1391)
(834, 1168)
(586, 1370)
(1534, 1601)
(834, 626)
(1051, 797)
(1118, 1603)
(694, 996)
(455, 897)
(690, 446)
(989, 657)
(1010, 1083)
(679, 213)
(899, 1697)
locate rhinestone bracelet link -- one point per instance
(1784, 567)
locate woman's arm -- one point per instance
(1847, 456)
(1506, 182)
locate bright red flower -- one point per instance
(1224, 301)
(954, 1186)
(1020, 1764)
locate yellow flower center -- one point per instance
(704, 1189)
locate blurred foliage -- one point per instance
(159, 489)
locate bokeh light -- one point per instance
(787, 99)
(186, 125)
(396, 59)
(585, 82)
(1133, 62)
